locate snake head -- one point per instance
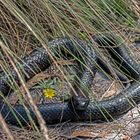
(79, 103)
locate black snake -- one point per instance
(79, 108)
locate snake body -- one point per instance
(120, 53)
(60, 112)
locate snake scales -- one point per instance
(79, 108)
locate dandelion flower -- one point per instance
(49, 93)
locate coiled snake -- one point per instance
(79, 108)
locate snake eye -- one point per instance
(80, 103)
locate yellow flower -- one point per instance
(49, 93)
